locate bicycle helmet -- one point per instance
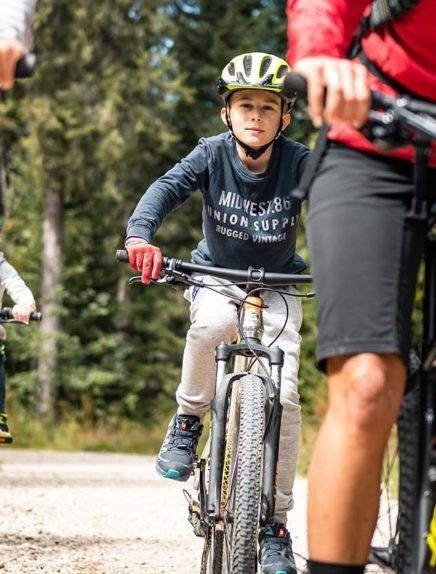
(255, 70)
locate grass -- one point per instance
(69, 434)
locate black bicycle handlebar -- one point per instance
(6, 314)
(294, 83)
(243, 275)
(408, 111)
(26, 66)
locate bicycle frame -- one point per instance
(234, 362)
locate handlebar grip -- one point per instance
(6, 313)
(122, 256)
(26, 66)
(294, 83)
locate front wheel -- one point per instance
(393, 543)
(242, 504)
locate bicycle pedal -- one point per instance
(194, 515)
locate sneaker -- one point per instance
(275, 554)
(177, 454)
(5, 434)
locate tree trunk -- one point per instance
(50, 299)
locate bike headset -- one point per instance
(257, 71)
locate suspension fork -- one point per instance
(271, 440)
(220, 405)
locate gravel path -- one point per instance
(99, 514)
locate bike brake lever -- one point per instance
(138, 279)
(172, 279)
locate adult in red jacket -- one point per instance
(365, 255)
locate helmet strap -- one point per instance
(254, 153)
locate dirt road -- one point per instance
(93, 513)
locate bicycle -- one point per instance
(410, 546)
(236, 472)
(7, 317)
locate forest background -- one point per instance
(123, 90)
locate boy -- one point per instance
(22, 296)
(246, 176)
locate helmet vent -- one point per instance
(266, 62)
(231, 69)
(282, 71)
(247, 63)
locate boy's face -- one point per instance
(256, 116)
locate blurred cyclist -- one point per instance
(365, 255)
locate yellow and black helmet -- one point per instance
(255, 70)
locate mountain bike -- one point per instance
(405, 537)
(235, 478)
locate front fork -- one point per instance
(220, 405)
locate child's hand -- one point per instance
(145, 258)
(22, 312)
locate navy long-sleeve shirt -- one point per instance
(248, 218)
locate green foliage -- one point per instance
(123, 90)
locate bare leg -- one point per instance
(364, 398)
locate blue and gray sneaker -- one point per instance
(275, 553)
(177, 454)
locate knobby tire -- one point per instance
(399, 495)
(241, 515)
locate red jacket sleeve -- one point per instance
(322, 27)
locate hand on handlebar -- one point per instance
(11, 51)
(337, 89)
(23, 312)
(145, 258)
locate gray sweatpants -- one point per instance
(214, 320)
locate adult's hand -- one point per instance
(337, 89)
(145, 258)
(10, 52)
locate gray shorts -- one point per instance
(365, 253)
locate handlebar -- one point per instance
(243, 275)
(26, 66)
(418, 115)
(6, 315)
(294, 83)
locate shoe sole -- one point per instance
(174, 474)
